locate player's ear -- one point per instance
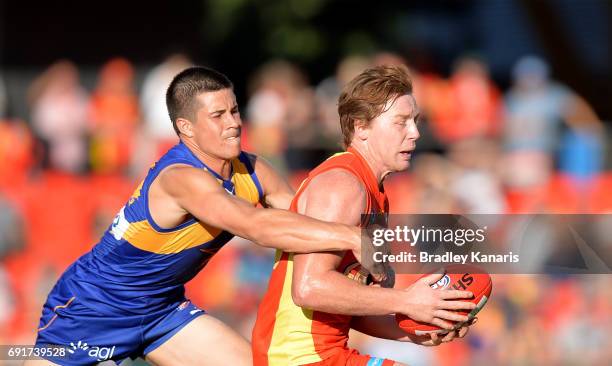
(361, 130)
(184, 126)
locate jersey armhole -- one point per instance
(145, 192)
(244, 159)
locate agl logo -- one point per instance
(99, 353)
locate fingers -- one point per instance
(450, 315)
(435, 339)
(433, 278)
(463, 331)
(442, 324)
(457, 305)
(448, 337)
(456, 294)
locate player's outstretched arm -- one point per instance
(338, 196)
(197, 193)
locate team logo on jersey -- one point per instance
(120, 225)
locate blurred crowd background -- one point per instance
(515, 105)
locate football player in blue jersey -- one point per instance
(125, 298)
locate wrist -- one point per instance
(356, 239)
(402, 305)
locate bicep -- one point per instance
(344, 204)
(201, 195)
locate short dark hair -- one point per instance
(186, 85)
(364, 98)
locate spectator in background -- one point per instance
(11, 228)
(472, 104)
(477, 187)
(535, 108)
(114, 117)
(280, 113)
(433, 175)
(11, 242)
(327, 93)
(16, 153)
(157, 131)
(59, 116)
(536, 105)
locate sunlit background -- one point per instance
(516, 98)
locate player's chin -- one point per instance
(402, 163)
(232, 147)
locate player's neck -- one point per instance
(220, 166)
(375, 166)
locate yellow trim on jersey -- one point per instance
(245, 187)
(338, 154)
(277, 257)
(144, 236)
(292, 343)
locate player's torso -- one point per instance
(286, 334)
(136, 256)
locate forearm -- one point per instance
(381, 326)
(291, 232)
(332, 292)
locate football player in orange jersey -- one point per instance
(310, 306)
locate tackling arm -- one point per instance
(199, 194)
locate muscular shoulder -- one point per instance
(181, 179)
(335, 194)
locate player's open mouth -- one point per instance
(406, 154)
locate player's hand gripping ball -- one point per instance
(458, 277)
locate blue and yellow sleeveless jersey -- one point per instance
(140, 267)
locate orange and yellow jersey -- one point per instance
(138, 266)
(286, 334)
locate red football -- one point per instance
(458, 277)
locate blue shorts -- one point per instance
(90, 336)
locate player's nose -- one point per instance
(233, 121)
(413, 133)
